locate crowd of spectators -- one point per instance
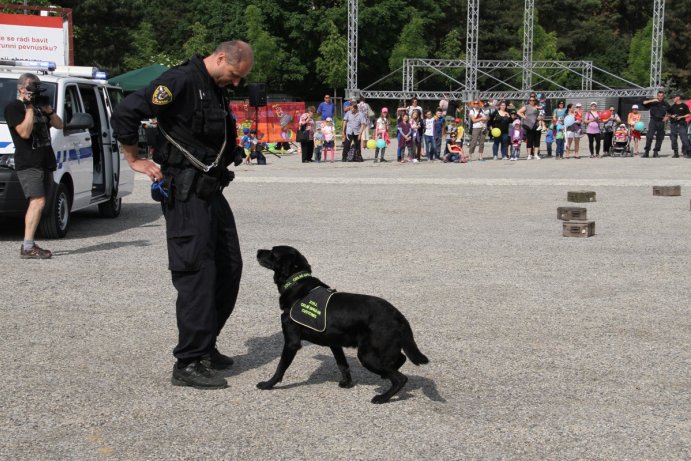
(438, 133)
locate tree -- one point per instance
(638, 69)
(271, 63)
(332, 61)
(412, 43)
(199, 42)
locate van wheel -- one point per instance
(111, 208)
(56, 216)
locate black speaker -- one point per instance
(257, 93)
(451, 109)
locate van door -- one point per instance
(78, 153)
(102, 174)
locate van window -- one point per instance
(90, 102)
(72, 104)
(116, 96)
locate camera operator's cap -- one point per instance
(329, 119)
(245, 130)
(635, 106)
(593, 103)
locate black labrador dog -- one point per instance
(372, 325)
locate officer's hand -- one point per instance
(226, 177)
(148, 168)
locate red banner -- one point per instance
(278, 122)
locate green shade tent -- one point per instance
(138, 78)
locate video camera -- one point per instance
(34, 89)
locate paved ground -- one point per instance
(541, 346)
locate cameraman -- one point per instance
(30, 118)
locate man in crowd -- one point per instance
(354, 124)
(326, 108)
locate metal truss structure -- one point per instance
(657, 40)
(468, 90)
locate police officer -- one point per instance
(199, 142)
(678, 127)
(656, 127)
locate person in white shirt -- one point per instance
(479, 124)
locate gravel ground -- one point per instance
(541, 346)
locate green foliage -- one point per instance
(271, 63)
(332, 65)
(412, 43)
(300, 53)
(638, 69)
(199, 42)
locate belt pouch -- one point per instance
(184, 183)
(206, 185)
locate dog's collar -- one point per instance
(295, 278)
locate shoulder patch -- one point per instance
(162, 96)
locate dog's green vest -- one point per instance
(310, 311)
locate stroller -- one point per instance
(621, 141)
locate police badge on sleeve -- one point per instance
(162, 96)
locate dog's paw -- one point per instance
(346, 384)
(264, 385)
(379, 399)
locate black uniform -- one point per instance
(203, 246)
(656, 127)
(679, 128)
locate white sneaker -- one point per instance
(530, 157)
(513, 159)
(415, 160)
(537, 157)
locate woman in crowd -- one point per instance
(610, 125)
(529, 114)
(307, 124)
(559, 112)
(592, 129)
(501, 119)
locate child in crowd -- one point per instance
(405, 138)
(460, 132)
(549, 139)
(560, 136)
(516, 136)
(381, 131)
(327, 131)
(415, 125)
(634, 117)
(246, 143)
(429, 135)
(318, 141)
(257, 148)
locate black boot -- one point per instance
(655, 154)
(676, 154)
(197, 375)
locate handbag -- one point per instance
(302, 135)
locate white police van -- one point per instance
(91, 169)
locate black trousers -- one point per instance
(307, 148)
(206, 265)
(655, 128)
(607, 141)
(350, 139)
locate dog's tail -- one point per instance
(410, 348)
